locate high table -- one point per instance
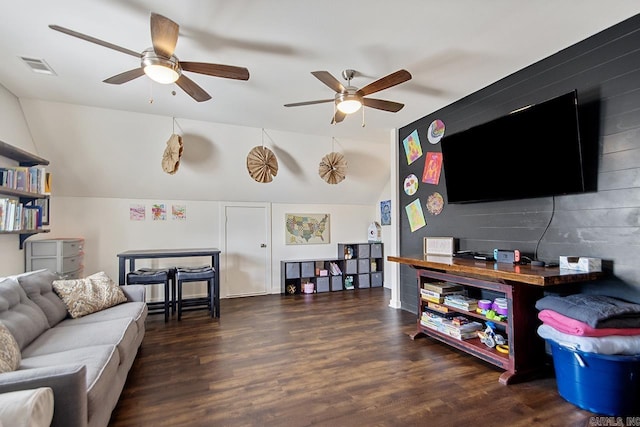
(134, 254)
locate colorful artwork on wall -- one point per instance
(137, 212)
(159, 212)
(432, 167)
(179, 212)
(412, 147)
(436, 131)
(411, 184)
(385, 212)
(415, 215)
(306, 229)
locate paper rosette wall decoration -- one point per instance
(262, 164)
(172, 154)
(333, 168)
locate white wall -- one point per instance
(107, 229)
(13, 131)
(103, 161)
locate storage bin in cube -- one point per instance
(376, 279)
(322, 284)
(336, 283)
(603, 384)
(363, 281)
(308, 269)
(363, 251)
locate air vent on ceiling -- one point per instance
(38, 65)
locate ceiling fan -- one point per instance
(160, 63)
(350, 99)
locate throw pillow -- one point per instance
(9, 351)
(89, 295)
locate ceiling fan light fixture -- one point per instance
(159, 69)
(348, 102)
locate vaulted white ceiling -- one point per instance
(451, 48)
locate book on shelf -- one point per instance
(15, 216)
(462, 302)
(440, 308)
(432, 312)
(335, 270)
(443, 288)
(30, 179)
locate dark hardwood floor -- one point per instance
(334, 359)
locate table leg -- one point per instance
(215, 259)
(121, 266)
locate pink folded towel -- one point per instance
(571, 326)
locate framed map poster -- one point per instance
(306, 229)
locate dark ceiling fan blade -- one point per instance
(216, 70)
(319, 101)
(382, 104)
(194, 91)
(338, 117)
(385, 82)
(326, 78)
(164, 35)
(94, 40)
(125, 77)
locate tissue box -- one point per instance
(580, 263)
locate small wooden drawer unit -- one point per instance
(62, 256)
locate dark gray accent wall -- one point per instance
(605, 223)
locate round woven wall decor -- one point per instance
(262, 164)
(172, 154)
(333, 168)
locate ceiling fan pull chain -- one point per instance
(363, 124)
(150, 92)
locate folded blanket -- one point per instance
(613, 344)
(571, 326)
(597, 311)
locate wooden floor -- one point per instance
(335, 359)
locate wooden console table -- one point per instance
(521, 285)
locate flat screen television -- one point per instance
(531, 152)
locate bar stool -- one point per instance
(153, 276)
(198, 274)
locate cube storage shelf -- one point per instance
(360, 266)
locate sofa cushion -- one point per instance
(9, 351)
(39, 288)
(118, 332)
(134, 310)
(89, 295)
(101, 363)
(24, 319)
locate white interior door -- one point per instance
(246, 255)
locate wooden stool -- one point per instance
(197, 274)
(152, 276)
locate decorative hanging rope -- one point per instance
(172, 154)
(333, 168)
(262, 164)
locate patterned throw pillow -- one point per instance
(89, 295)
(9, 351)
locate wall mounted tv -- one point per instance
(531, 152)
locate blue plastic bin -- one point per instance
(603, 384)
